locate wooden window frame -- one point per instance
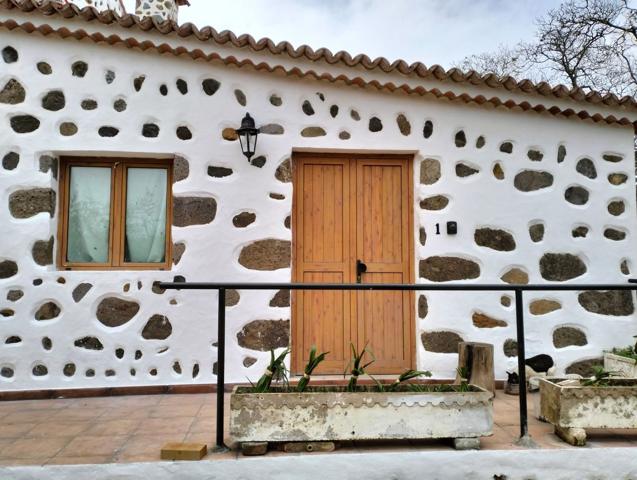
(117, 222)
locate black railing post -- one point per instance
(519, 321)
(221, 357)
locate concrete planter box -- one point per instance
(623, 366)
(573, 409)
(331, 414)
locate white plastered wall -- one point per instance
(212, 250)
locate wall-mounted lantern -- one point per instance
(248, 136)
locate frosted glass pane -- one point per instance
(146, 215)
(89, 215)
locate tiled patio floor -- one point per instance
(134, 428)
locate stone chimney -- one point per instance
(159, 10)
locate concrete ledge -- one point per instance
(566, 464)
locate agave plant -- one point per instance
(358, 368)
(463, 373)
(404, 377)
(600, 378)
(312, 363)
(276, 371)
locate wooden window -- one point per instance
(115, 214)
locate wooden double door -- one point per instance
(351, 210)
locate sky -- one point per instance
(430, 31)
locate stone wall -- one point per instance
(536, 198)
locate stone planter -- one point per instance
(574, 408)
(622, 366)
(331, 414)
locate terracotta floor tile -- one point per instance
(15, 430)
(91, 446)
(42, 448)
(57, 429)
(166, 411)
(109, 427)
(203, 425)
(185, 399)
(78, 413)
(30, 416)
(147, 444)
(177, 425)
(22, 462)
(96, 460)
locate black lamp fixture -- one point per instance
(248, 136)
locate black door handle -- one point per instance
(360, 269)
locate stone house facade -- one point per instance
(539, 181)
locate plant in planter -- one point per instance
(622, 360)
(602, 401)
(401, 409)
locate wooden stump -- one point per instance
(477, 360)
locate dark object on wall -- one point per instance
(452, 228)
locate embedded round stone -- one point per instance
(437, 202)
(506, 147)
(446, 269)
(617, 178)
(108, 132)
(482, 320)
(163, 89)
(560, 267)
(615, 234)
(569, 336)
(532, 180)
(313, 132)
(430, 171)
(249, 361)
(10, 161)
(24, 123)
(270, 254)
(9, 54)
(79, 69)
(423, 306)
(265, 335)
(460, 139)
(44, 68)
(561, 153)
(7, 372)
(69, 370)
(614, 303)
(42, 252)
(115, 312)
(109, 76)
(183, 133)
(283, 172)
(150, 130)
(375, 124)
(14, 295)
(47, 311)
(80, 291)
(219, 172)
(7, 312)
(193, 211)
(403, 125)
(464, 170)
(8, 268)
(138, 82)
(271, 129)
(276, 100)
(544, 306)
(498, 172)
(585, 368)
(428, 129)
(613, 158)
(258, 161)
(119, 105)
(580, 231)
(232, 297)
(229, 134)
(494, 239)
(281, 299)
(510, 348)
(158, 327)
(505, 301)
(287, 222)
(178, 250)
(181, 169)
(89, 343)
(422, 236)
(12, 340)
(27, 203)
(355, 115)
(535, 155)
(68, 129)
(244, 219)
(344, 135)
(182, 86)
(576, 195)
(441, 342)
(624, 267)
(334, 111)
(307, 108)
(12, 93)
(616, 207)
(586, 167)
(536, 232)
(210, 86)
(515, 276)
(480, 142)
(40, 370)
(54, 101)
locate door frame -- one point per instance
(296, 364)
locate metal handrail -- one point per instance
(221, 287)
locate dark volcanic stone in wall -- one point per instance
(609, 157)
(219, 172)
(614, 234)
(9, 54)
(265, 335)
(258, 161)
(480, 142)
(108, 132)
(441, 342)
(210, 86)
(535, 155)
(232, 297)
(80, 291)
(281, 299)
(27, 203)
(430, 171)
(498, 172)
(307, 108)
(14, 295)
(615, 303)
(569, 336)
(506, 147)
(579, 232)
(460, 139)
(182, 86)
(7, 372)
(276, 100)
(115, 312)
(54, 101)
(482, 320)
(375, 124)
(109, 76)
(163, 89)
(586, 167)
(119, 105)
(437, 202)
(313, 132)
(10, 161)
(150, 130)
(616, 207)
(576, 195)
(464, 170)
(24, 123)
(585, 368)
(422, 236)
(249, 361)
(183, 133)
(193, 211)
(445, 269)
(334, 111)
(42, 252)
(270, 254)
(272, 129)
(44, 68)
(560, 267)
(284, 171)
(89, 343)
(178, 251)
(138, 82)
(181, 169)
(69, 370)
(403, 125)
(79, 69)
(531, 180)
(536, 232)
(515, 276)
(544, 306)
(49, 164)
(428, 129)
(158, 327)
(244, 219)
(355, 115)
(40, 370)
(561, 153)
(495, 239)
(241, 97)
(510, 348)
(68, 129)
(12, 340)
(12, 93)
(423, 306)
(47, 311)
(8, 268)
(344, 135)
